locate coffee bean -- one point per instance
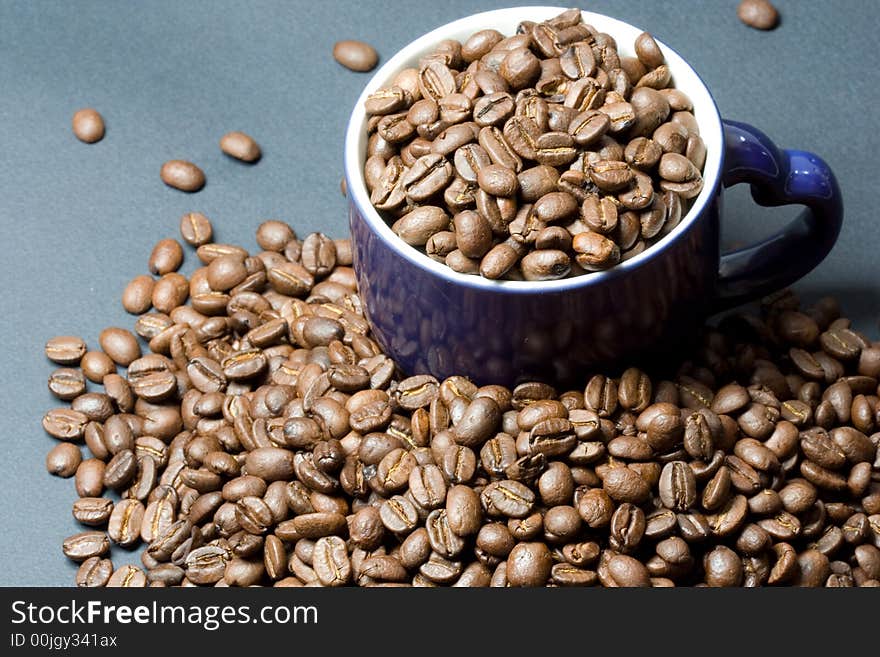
(125, 522)
(625, 485)
(240, 146)
(594, 251)
(463, 511)
(137, 295)
(63, 460)
(166, 257)
(196, 229)
(120, 345)
(507, 498)
(169, 292)
(65, 424)
(65, 349)
(88, 125)
(67, 383)
(723, 567)
(94, 572)
(529, 564)
(678, 486)
(355, 55)
(182, 175)
(626, 571)
(759, 14)
(85, 545)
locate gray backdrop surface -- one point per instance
(171, 77)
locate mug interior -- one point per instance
(505, 20)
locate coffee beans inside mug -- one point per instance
(551, 128)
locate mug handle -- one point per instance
(777, 177)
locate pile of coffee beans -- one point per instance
(264, 438)
(536, 156)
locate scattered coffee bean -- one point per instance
(196, 229)
(166, 257)
(759, 14)
(182, 175)
(88, 125)
(63, 460)
(66, 349)
(355, 55)
(120, 345)
(240, 146)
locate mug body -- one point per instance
(431, 319)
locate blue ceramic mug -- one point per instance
(431, 319)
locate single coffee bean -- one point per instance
(94, 572)
(137, 295)
(182, 175)
(626, 571)
(67, 384)
(120, 345)
(759, 14)
(678, 486)
(85, 545)
(125, 522)
(63, 460)
(355, 55)
(240, 146)
(88, 125)
(463, 510)
(648, 51)
(65, 424)
(507, 498)
(330, 561)
(723, 567)
(66, 349)
(196, 229)
(166, 257)
(529, 564)
(625, 485)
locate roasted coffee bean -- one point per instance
(355, 55)
(625, 571)
(196, 229)
(86, 545)
(678, 486)
(94, 572)
(182, 175)
(65, 424)
(88, 125)
(63, 460)
(241, 146)
(529, 564)
(759, 14)
(65, 349)
(125, 521)
(166, 257)
(723, 567)
(625, 485)
(507, 498)
(92, 511)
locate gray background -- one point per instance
(171, 77)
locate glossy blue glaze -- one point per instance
(497, 333)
